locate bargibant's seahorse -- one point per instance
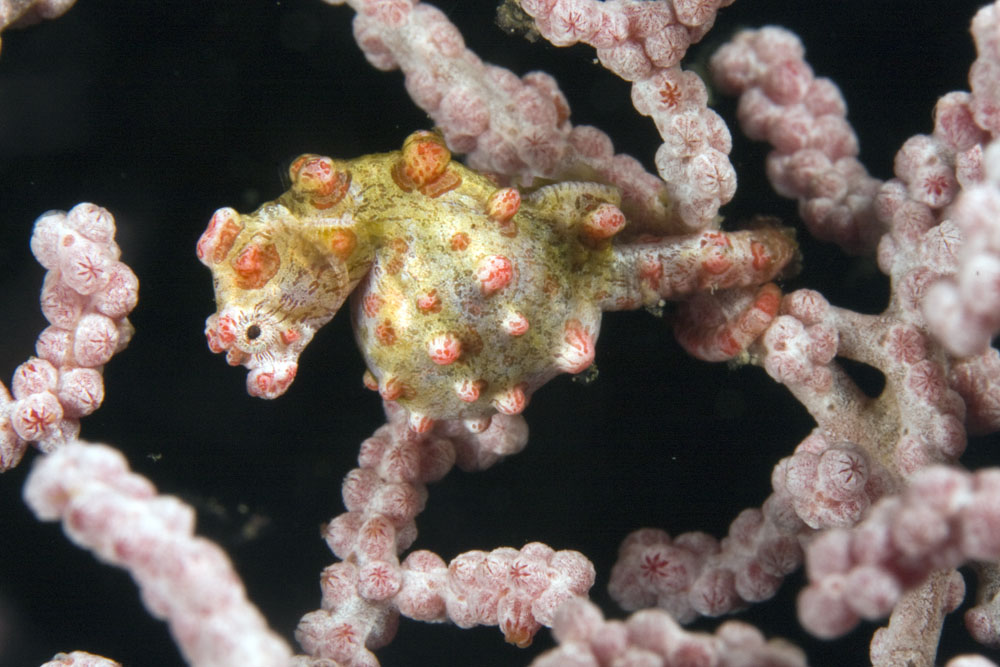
(468, 296)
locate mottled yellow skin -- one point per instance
(554, 279)
(424, 264)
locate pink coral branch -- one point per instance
(184, 579)
(644, 42)
(653, 637)
(964, 312)
(804, 118)
(19, 13)
(943, 519)
(983, 619)
(86, 297)
(364, 594)
(859, 451)
(104, 507)
(915, 626)
(80, 659)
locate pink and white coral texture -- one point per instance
(861, 388)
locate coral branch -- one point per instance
(643, 43)
(86, 297)
(915, 625)
(364, 594)
(80, 659)
(943, 519)
(804, 118)
(682, 266)
(183, 579)
(965, 313)
(983, 620)
(21, 13)
(653, 637)
(693, 574)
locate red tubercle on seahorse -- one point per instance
(320, 179)
(217, 240)
(511, 401)
(494, 272)
(444, 348)
(578, 348)
(256, 265)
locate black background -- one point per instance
(163, 111)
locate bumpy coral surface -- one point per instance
(468, 296)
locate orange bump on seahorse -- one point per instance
(467, 296)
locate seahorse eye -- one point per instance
(253, 332)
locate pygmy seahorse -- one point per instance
(467, 296)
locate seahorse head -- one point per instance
(280, 273)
